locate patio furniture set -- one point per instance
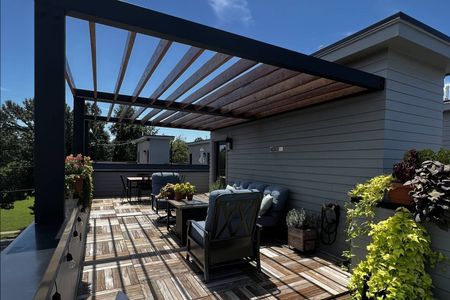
(219, 228)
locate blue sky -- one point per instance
(304, 26)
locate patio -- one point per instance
(126, 249)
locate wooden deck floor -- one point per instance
(128, 250)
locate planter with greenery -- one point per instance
(431, 193)
(361, 210)
(78, 178)
(167, 192)
(403, 171)
(302, 230)
(189, 189)
(395, 265)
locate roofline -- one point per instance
(397, 16)
(149, 137)
(199, 142)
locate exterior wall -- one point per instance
(446, 130)
(414, 106)
(331, 147)
(327, 149)
(194, 150)
(159, 150)
(107, 181)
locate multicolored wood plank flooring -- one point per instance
(128, 250)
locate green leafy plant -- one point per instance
(360, 211)
(215, 186)
(189, 188)
(431, 193)
(394, 267)
(299, 218)
(167, 191)
(405, 170)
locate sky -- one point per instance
(303, 26)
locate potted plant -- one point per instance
(189, 189)
(431, 193)
(167, 191)
(78, 177)
(179, 191)
(302, 232)
(397, 260)
(403, 171)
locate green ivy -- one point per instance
(360, 214)
(394, 267)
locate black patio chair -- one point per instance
(229, 233)
(125, 190)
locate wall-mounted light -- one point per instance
(229, 142)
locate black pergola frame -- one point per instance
(51, 71)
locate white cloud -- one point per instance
(229, 11)
(3, 89)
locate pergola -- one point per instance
(264, 81)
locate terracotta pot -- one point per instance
(179, 196)
(190, 196)
(170, 194)
(302, 239)
(78, 185)
(399, 194)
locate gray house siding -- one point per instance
(331, 147)
(327, 149)
(446, 130)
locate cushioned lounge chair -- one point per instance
(229, 233)
(159, 180)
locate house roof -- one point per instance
(202, 142)
(264, 80)
(153, 137)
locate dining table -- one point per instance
(136, 182)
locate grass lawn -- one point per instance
(18, 217)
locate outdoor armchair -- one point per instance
(159, 180)
(229, 233)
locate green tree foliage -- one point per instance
(16, 145)
(180, 151)
(124, 149)
(99, 148)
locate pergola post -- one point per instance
(78, 126)
(49, 111)
(86, 137)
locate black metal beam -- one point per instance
(78, 125)
(49, 111)
(133, 18)
(86, 137)
(159, 104)
(137, 122)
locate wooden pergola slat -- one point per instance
(69, 78)
(247, 78)
(225, 76)
(207, 68)
(185, 62)
(157, 56)
(93, 56)
(123, 67)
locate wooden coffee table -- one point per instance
(186, 210)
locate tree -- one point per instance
(99, 148)
(124, 149)
(180, 151)
(16, 143)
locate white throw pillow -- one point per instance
(230, 188)
(266, 203)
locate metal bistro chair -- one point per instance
(124, 194)
(230, 232)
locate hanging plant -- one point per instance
(360, 213)
(394, 267)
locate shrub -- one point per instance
(431, 193)
(300, 219)
(394, 267)
(215, 185)
(405, 170)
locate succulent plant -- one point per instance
(431, 193)
(300, 219)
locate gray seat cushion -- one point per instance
(280, 196)
(197, 231)
(241, 184)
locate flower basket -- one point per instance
(190, 196)
(399, 194)
(179, 196)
